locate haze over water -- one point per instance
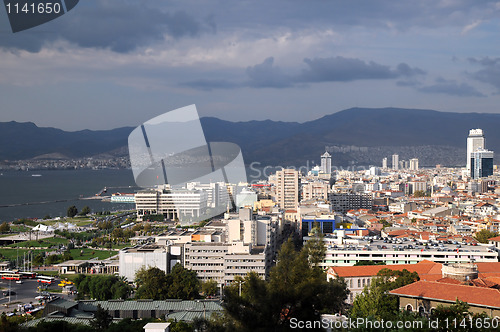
(18, 187)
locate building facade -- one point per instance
(475, 141)
(287, 188)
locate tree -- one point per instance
(4, 227)
(72, 211)
(183, 283)
(296, 288)
(38, 259)
(102, 288)
(483, 235)
(375, 301)
(155, 284)
(152, 282)
(209, 287)
(179, 326)
(315, 248)
(458, 312)
(102, 319)
(85, 210)
(67, 256)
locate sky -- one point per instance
(114, 63)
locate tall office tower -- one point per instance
(287, 188)
(414, 164)
(474, 141)
(481, 164)
(395, 161)
(326, 163)
(384, 163)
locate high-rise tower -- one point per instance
(326, 163)
(395, 161)
(475, 141)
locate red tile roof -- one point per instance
(488, 297)
(426, 270)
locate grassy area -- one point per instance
(83, 223)
(72, 220)
(91, 253)
(42, 243)
(19, 228)
(11, 254)
(120, 246)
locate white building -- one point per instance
(395, 161)
(475, 141)
(315, 190)
(414, 164)
(186, 205)
(326, 163)
(133, 259)
(287, 188)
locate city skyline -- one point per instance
(102, 66)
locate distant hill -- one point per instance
(356, 136)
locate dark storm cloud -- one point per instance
(121, 27)
(490, 72)
(451, 87)
(340, 69)
(266, 75)
(335, 69)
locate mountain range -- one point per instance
(356, 136)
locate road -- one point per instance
(25, 293)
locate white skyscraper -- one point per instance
(287, 188)
(475, 141)
(395, 161)
(414, 164)
(384, 163)
(326, 163)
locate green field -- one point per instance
(91, 253)
(42, 243)
(11, 254)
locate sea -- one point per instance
(35, 194)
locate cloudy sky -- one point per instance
(112, 63)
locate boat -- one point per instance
(36, 175)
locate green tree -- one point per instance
(4, 227)
(180, 326)
(458, 312)
(315, 248)
(483, 235)
(375, 301)
(152, 284)
(102, 319)
(209, 287)
(296, 288)
(103, 287)
(72, 211)
(67, 256)
(38, 259)
(183, 283)
(85, 210)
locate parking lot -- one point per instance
(24, 293)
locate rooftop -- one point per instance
(479, 296)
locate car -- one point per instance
(19, 281)
(6, 293)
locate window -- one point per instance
(409, 307)
(359, 283)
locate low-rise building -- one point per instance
(424, 296)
